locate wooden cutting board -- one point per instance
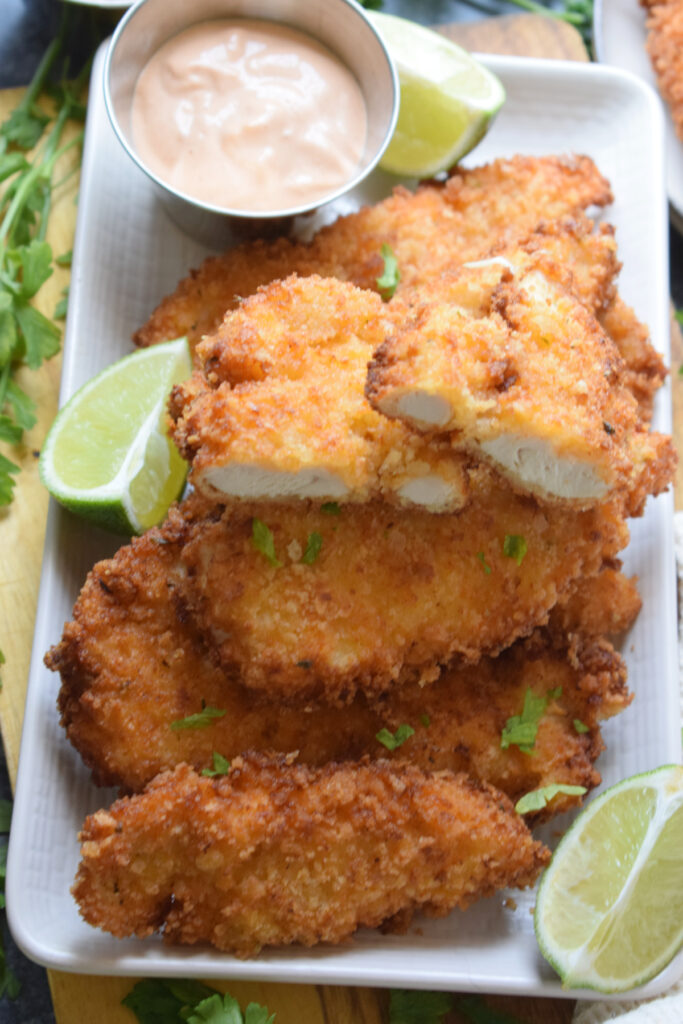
(79, 999)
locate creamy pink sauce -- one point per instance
(248, 115)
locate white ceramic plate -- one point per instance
(620, 34)
(127, 256)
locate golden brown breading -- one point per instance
(503, 360)
(130, 667)
(274, 854)
(606, 604)
(391, 596)
(428, 231)
(644, 369)
(277, 410)
(665, 47)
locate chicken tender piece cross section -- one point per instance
(665, 47)
(429, 230)
(503, 359)
(391, 596)
(130, 667)
(278, 410)
(275, 854)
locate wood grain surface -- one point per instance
(80, 999)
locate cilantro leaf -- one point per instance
(388, 281)
(42, 338)
(9, 431)
(255, 1014)
(521, 730)
(221, 766)
(8, 329)
(7, 468)
(64, 260)
(24, 127)
(12, 163)
(262, 539)
(514, 546)
(393, 740)
(418, 1007)
(35, 260)
(485, 566)
(217, 1010)
(154, 1001)
(313, 546)
(200, 720)
(23, 407)
(538, 798)
(475, 1010)
(679, 316)
(580, 726)
(331, 508)
(62, 306)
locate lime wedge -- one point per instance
(609, 912)
(107, 456)
(448, 99)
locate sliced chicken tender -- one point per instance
(527, 380)
(131, 667)
(385, 596)
(274, 854)
(277, 410)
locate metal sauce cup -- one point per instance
(340, 25)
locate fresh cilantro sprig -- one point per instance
(515, 546)
(313, 548)
(520, 730)
(157, 1001)
(27, 337)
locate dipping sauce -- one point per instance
(248, 115)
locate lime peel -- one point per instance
(609, 912)
(107, 456)
(448, 99)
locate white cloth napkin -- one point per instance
(667, 1008)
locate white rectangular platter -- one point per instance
(127, 256)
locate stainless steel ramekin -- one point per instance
(340, 25)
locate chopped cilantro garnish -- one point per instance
(221, 766)
(418, 1007)
(538, 798)
(521, 730)
(515, 547)
(161, 1001)
(388, 282)
(393, 740)
(200, 720)
(484, 564)
(331, 508)
(579, 726)
(262, 540)
(64, 260)
(425, 720)
(313, 546)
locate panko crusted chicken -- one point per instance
(275, 853)
(429, 230)
(385, 596)
(133, 671)
(665, 47)
(278, 409)
(501, 358)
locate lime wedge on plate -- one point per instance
(108, 456)
(448, 99)
(609, 912)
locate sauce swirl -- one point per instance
(248, 115)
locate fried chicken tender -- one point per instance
(274, 854)
(503, 360)
(644, 369)
(428, 231)
(391, 596)
(130, 667)
(665, 47)
(277, 410)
